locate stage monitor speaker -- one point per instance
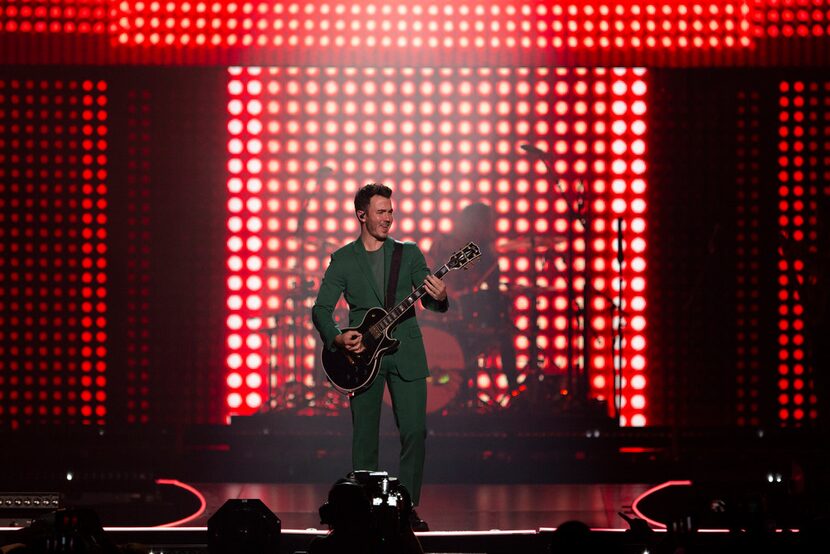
(244, 526)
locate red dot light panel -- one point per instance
(53, 191)
(441, 139)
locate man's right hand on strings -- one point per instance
(351, 341)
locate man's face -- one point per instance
(378, 217)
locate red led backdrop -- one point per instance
(416, 32)
(159, 294)
(53, 195)
(442, 139)
(443, 136)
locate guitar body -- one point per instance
(351, 372)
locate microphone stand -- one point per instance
(579, 213)
(619, 332)
(577, 376)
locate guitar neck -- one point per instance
(395, 313)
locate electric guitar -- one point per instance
(352, 372)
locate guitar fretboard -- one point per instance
(379, 328)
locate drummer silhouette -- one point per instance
(485, 309)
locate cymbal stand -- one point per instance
(271, 334)
(302, 290)
(534, 310)
(275, 335)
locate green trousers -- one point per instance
(409, 403)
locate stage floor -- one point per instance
(451, 507)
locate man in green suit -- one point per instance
(360, 272)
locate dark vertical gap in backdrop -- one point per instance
(180, 344)
(188, 184)
(118, 234)
(692, 306)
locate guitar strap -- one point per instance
(393, 275)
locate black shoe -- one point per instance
(417, 523)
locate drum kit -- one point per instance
(470, 349)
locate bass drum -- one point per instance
(446, 368)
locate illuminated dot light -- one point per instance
(53, 241)
(748, 260)
(669, 25)
(55, 16)
(441, 138)
(803, 106)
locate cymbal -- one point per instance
(318, 244)
(523, 244)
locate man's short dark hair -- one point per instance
(365, 194)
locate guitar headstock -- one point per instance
(465, 256)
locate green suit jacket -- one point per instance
(349, 274)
